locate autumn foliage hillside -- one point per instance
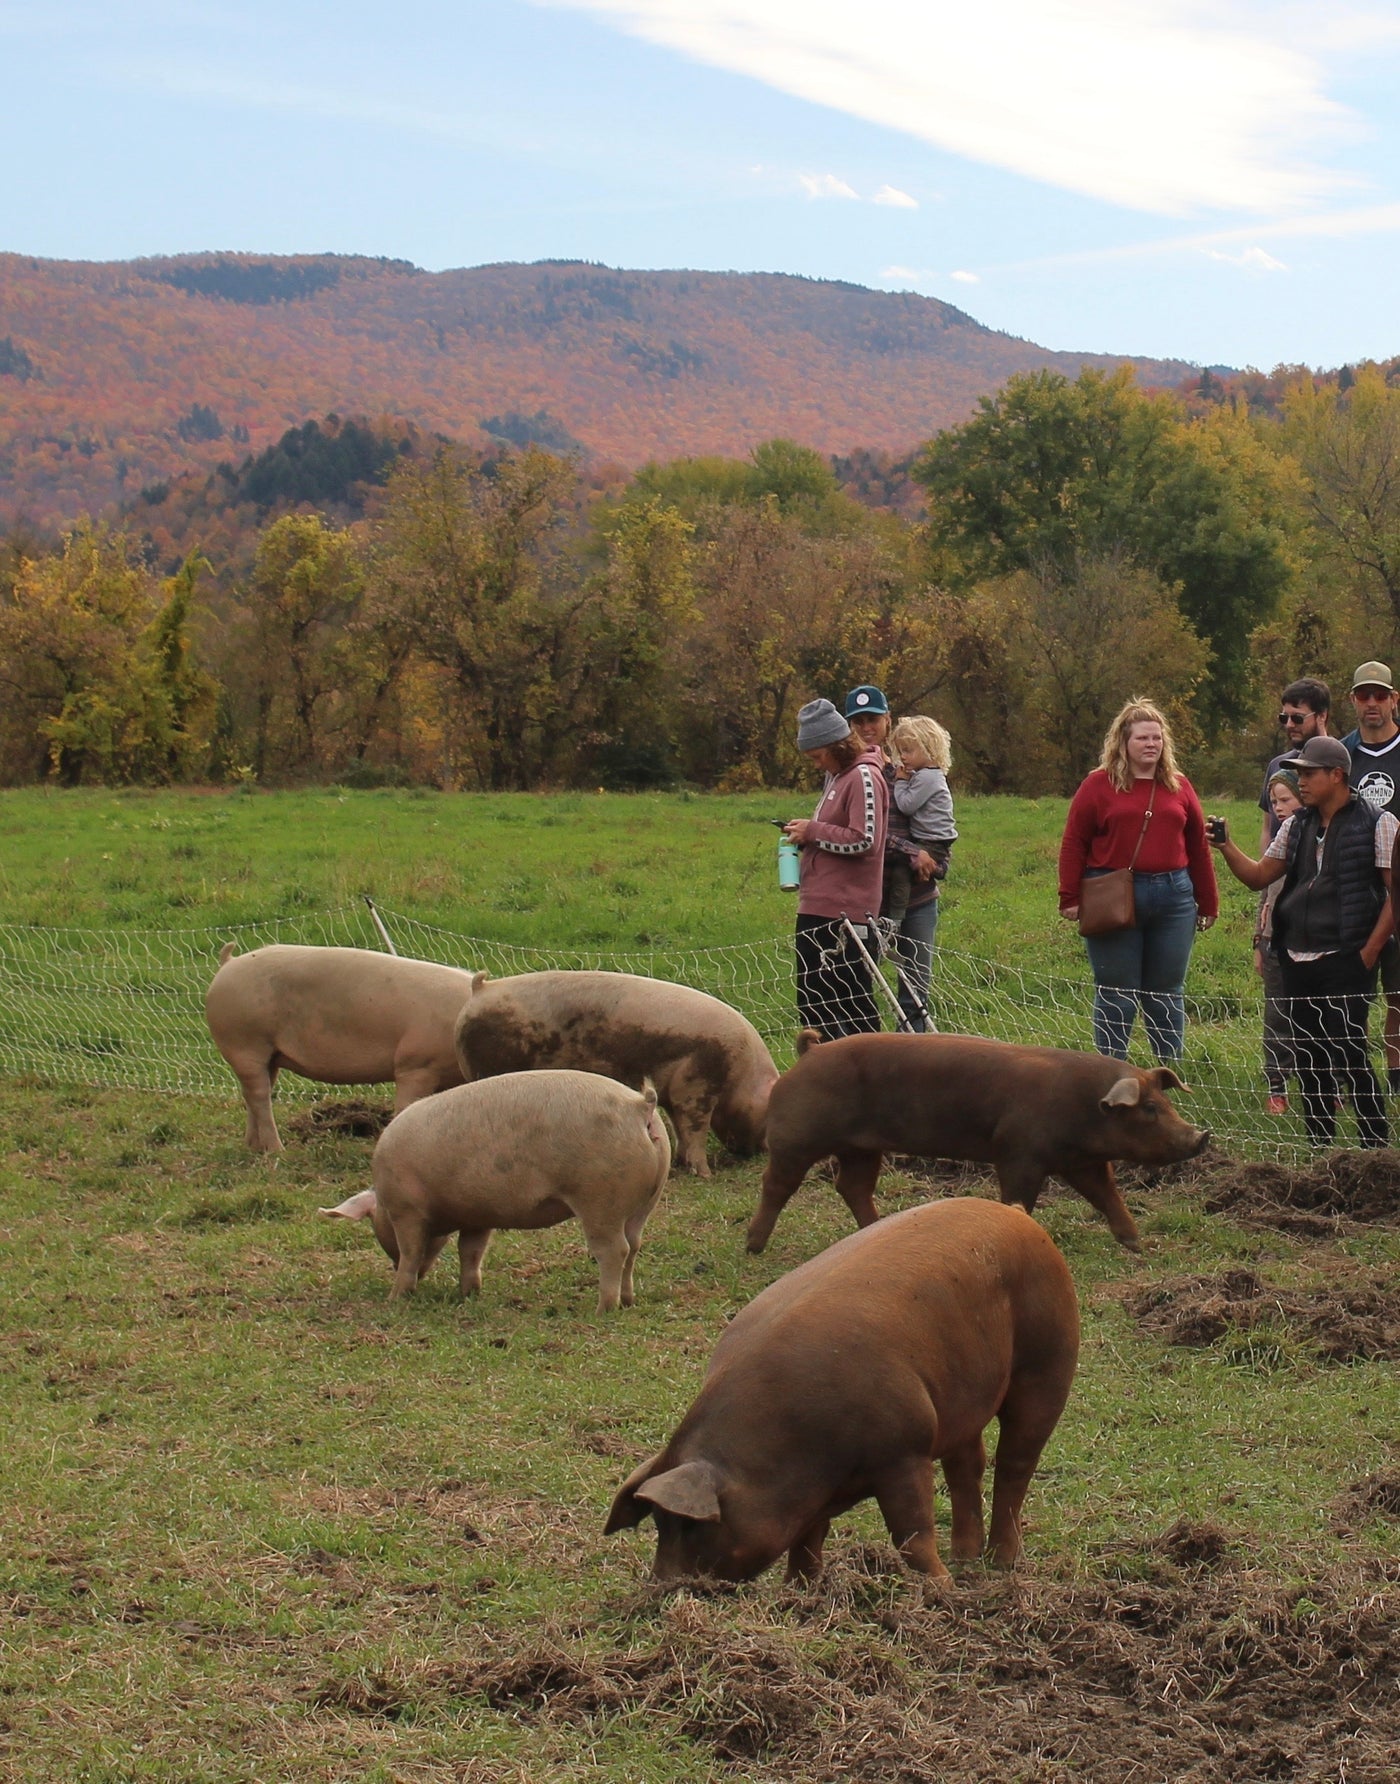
(117, 376)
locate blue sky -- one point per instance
(1218, 182)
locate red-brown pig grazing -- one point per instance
(1031, 1112)
(338, 1015)
(849, 1378)
(527, 1150)
(708, 1063)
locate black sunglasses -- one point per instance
(1293, 718)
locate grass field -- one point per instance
(261, 1524)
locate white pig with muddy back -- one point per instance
(530, 1149)
(337, 1015)
(850, 1378)
(708, 1063)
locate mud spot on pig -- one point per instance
(351, 1116)
(1310, 1200)
(1353, 1315)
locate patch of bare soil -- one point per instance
(1354, 1315)
(1203, 1673)
(1310, 1200)
(1377, 1496)
(361, 1120)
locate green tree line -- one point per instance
(503, 623)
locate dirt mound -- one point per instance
(1359, 1186)
(1378, 1496)
(1200, 1676)
(363, 1121)
(1356, 1314)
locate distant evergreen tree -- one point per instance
(318, 465)
(200, 422)
(540, 429)
(15, 362)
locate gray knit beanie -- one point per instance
(819, 724)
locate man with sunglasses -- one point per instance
(1303, 711)
(1375, 774)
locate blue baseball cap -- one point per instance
(863, 700)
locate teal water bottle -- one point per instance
(789, 864)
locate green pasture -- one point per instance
(262, 1524)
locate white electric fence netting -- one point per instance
(125, 1010)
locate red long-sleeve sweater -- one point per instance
(843, 858)
(1103, 827)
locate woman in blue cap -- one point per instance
(912, 873)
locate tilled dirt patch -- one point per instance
(1202, 1673)
(1354, 1315)
(347, 1115)
(1311, 1200)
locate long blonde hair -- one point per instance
(1114, 760)
(927, 735)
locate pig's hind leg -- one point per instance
(418, 1251)
(612, 1252)
(857, 1173)
(257, 1079)
(963, 1469)
(904, 1495)
(805, 1555)
(1028, 1415)
(632, 1232)
(471, 1249)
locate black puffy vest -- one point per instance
(1334, 907)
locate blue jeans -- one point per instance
(1145, 968)
(913, 953)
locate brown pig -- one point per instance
(530, 1149)
(338, 1015)
(709, 1063)
(849, 1378)
(1030, 1112)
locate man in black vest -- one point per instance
(1330, 923)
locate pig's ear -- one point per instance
(1125, 1094)
(1166, 1079)
(690, 1491)
(356, 1208)
(625, 1510)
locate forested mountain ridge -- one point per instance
(119, 375)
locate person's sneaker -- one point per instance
(1278, 1105)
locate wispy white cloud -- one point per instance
(891, 195)
(1373, 219)
(1251, 260)
(825, 185)
(1160, 105)
(964, 277)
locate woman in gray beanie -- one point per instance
(843, 861)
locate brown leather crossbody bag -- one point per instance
(1106, 899)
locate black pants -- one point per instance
(833, 982)
(1328, 1005)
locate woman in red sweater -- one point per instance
(1144, 966)
(843, 865)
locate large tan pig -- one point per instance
(1030, 1112)
(849, 1378)
(530, 1149)
(708, 1063)
(338, 1015)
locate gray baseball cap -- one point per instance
(1320, 752)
